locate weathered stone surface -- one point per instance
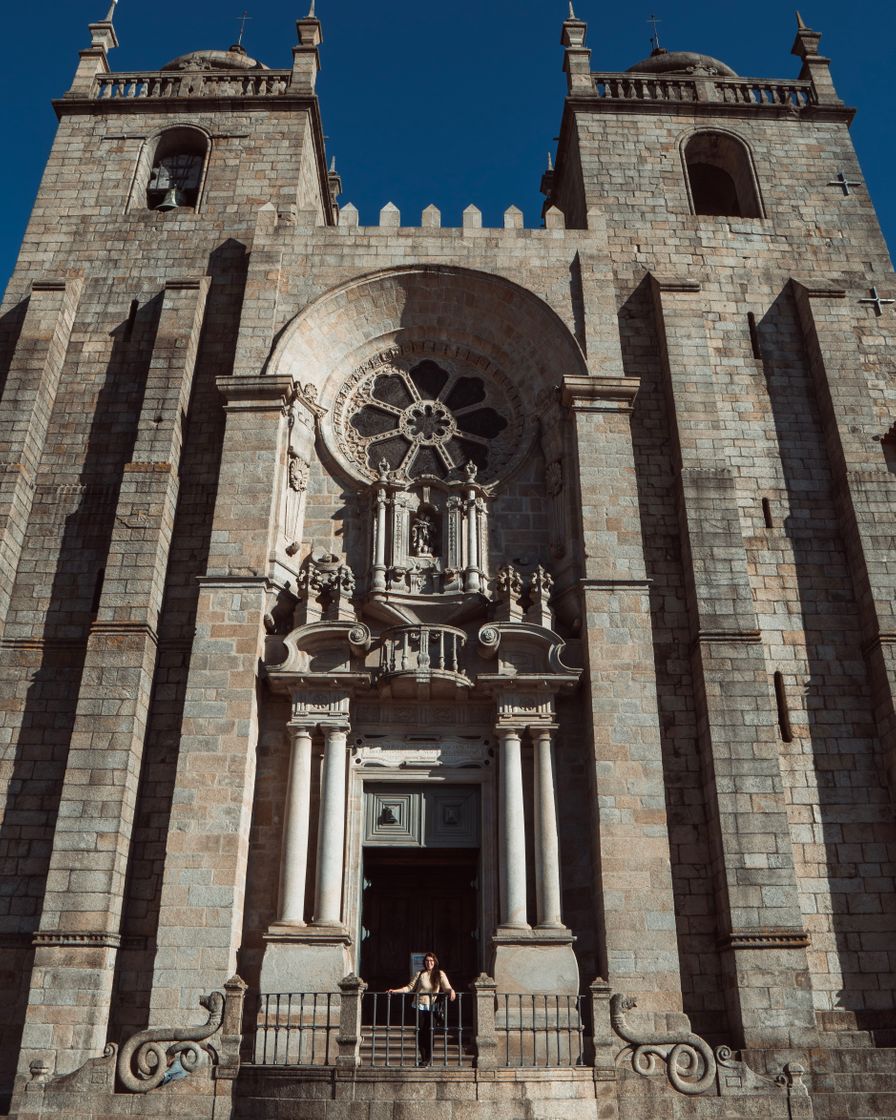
(567, 553)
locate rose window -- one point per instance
(429, 421)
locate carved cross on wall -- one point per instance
(877, 300)
(844, 182)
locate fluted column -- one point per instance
(547, 843)
(294, 870)
(331, 831)
(512, 832)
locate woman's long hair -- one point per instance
(434, 971)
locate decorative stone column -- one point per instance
(331, 829)
(312, 957)
(547, 841)
(511, 831)
(378, 582)
(539, 960)
(294, 868)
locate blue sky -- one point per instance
(445, 103)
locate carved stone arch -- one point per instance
(471, 324)
(190, 138)
(720, 174)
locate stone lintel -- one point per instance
(815, 290)
(255, 393)
(676, 283)
(600, 394)
(709, 636)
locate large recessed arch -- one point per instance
(475, 320)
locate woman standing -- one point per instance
(426, 985)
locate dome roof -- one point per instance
(662, 61)
(233, 59)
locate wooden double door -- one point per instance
(416, 900)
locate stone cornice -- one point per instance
(600, 394)
(765, 939)
(253, 393)
(76, 939)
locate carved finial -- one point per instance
(333, 166)
(572, 14)
(799, 21)
(111, 12)
(471, 470)
(550, 162)
(311, 14)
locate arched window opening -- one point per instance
(177, 167)
(720, 176)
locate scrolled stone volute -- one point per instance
(145, 1059)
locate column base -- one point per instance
(304, 958)
(537, 961)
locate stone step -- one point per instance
(854, 1106)
(853, 1082)
(855, 1060)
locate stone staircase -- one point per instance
(854, 1079)
(396, 1047)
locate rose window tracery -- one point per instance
(428, 420)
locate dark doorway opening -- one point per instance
(416, 900)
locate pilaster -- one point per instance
(634, 891)
(79, 928)
(204, 883)
(25, 410)
(832, 321)
(762, 937)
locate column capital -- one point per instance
(335, 726)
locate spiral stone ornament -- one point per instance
(690, 1062)
(146, 1057)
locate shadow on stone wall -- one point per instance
(188, 557)
(48, 713)
(696, 919)
(834, 759)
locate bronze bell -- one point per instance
(172, 200)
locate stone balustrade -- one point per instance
(703, 89)
(423, 650)
(164, 85)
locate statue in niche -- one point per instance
(423, 535)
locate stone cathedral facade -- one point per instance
(526, 594)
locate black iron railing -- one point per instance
(540, 1030)
(398, 1033)
(297, 1029)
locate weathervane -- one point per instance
(242, 20)
(655, 37)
